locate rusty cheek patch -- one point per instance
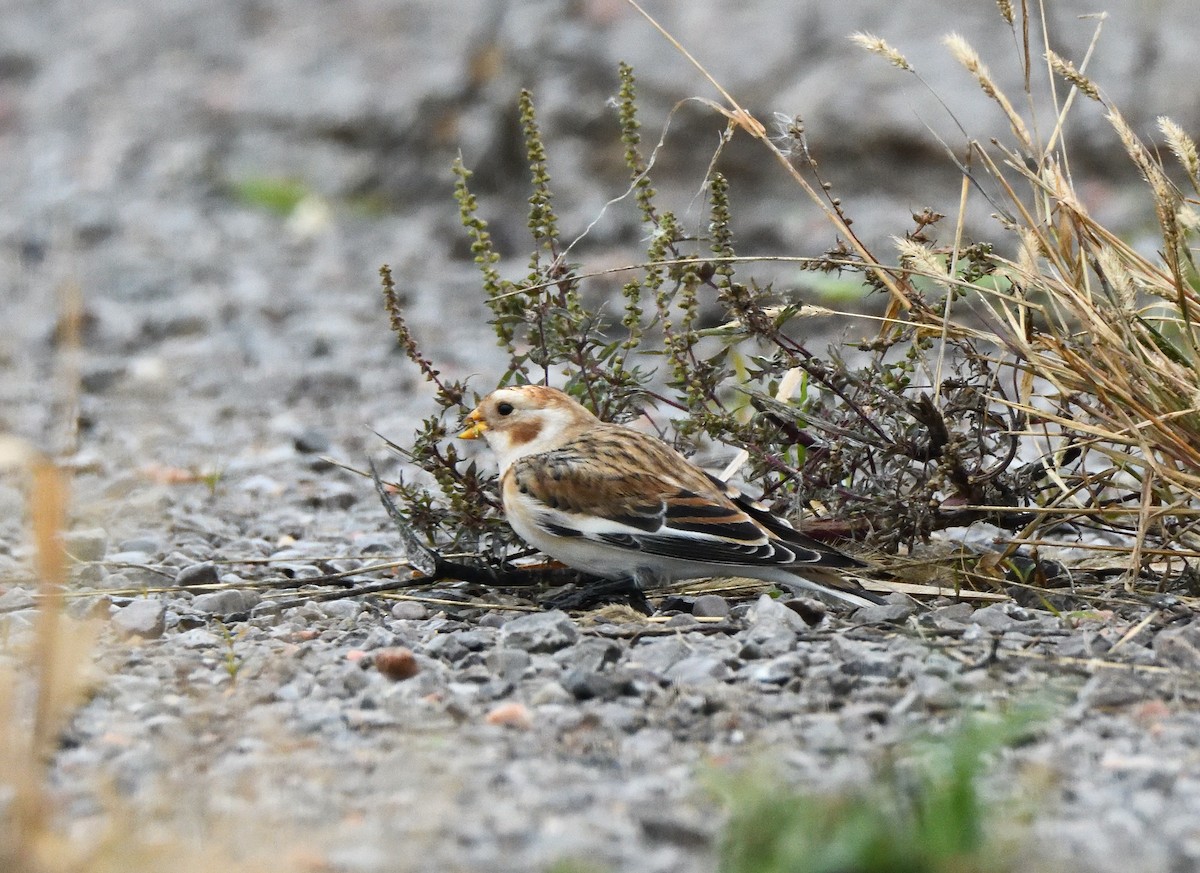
(525, 432)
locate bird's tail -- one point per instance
(834, 584)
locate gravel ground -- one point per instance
(229, 350)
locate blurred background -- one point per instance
(218, 183)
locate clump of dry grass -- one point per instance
(1048, 378)
(1102, 339)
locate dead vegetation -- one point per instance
(1044, 381)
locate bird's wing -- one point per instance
(630, 491)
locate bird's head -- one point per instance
(526, 420)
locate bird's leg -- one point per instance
(600, 591)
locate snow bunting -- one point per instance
(623, 505)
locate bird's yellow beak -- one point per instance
(476, 428)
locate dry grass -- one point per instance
(1099, 339)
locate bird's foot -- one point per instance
(598, 592)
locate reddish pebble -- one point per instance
(511, 714)
(355, 655)
(397, 663)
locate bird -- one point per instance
(625, 506)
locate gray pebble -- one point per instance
(710, 606)
(129, 557)
(194, 575)
(147, 544)
(86, 545)
(885, 613)
(551, 693)
(999, 616)
(589, 685)
(954, 617)
(657, 655)
(16, 625)
(344, 608)
(776, 671)
(267, 612)
(699, 670)
(1082, 644)
(16, 598)
(446, 647)
(226, 602)
(508, 663)
(378, 638)
(144, 618)
(1179, 646)
(590, 653)
(771, 614)
(117, 581)
(1109, 689)
(312, 441)
(198, 638)
(936, 693)
(370, 544)
(409, 610)
(338, 498)
(681, 620)
(540, 632)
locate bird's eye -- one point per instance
(504, 408)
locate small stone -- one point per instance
(266, 611)
(410, 610)
(262, 485)
(344, 608)
(777, 671)
(1179, 646)
(1082, 644)
(446, 647)
(590, 653)
(144, 618)
(954, 617)
(657, 655)
(1110, 690)
(134, 557)
(589, 685)
(397, 663)
(86, 545)
(540, 632)
(311, 441)
(508, 663)
(379, 638)
(227, 602)
(673, 826)
(551, 693)
(773, 630)
(510, 714)
(81, 608)
(770, 613)
(338, 498)
(710, 606)
(936, 693)
(116, 582)
(974, 632)
(374, 543)
(196, 575)
(16, 598)
(811, 610)
(148, 544)
(681, 620)
(699, 670)
(999, 616)
(885, 613)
